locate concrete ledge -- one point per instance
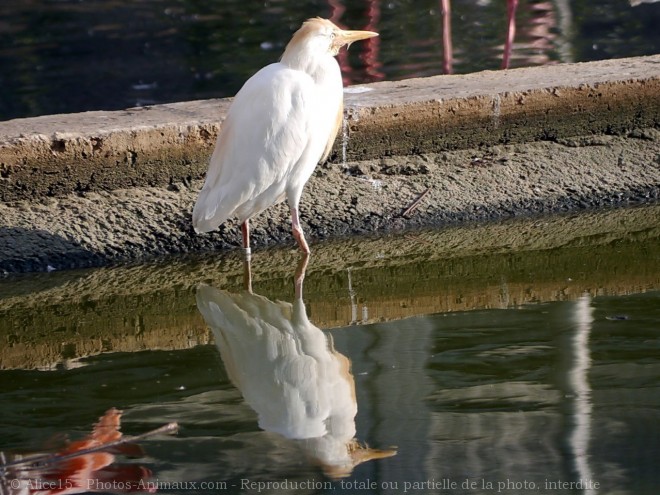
(504, 107)
(60, 154)
(102, 188)
(160, 145)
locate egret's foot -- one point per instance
(300, 239)
(298, 232)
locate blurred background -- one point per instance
(63, 56)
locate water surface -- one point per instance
(70, 56)
(482, 359)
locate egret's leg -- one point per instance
(245, 230)
(247, 274)
(297, 231)
(300, 275)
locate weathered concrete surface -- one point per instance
(504, 107)
(159, 145)
(91, 151)
(99, 188)
(100, 228)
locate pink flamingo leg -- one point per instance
(448, 56)
(511, 6)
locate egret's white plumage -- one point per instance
(281, 123)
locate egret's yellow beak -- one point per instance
(348, 37)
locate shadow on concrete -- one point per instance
(26, 250)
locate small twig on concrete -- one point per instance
(415, 203)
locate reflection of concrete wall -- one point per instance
(58, 335)
(485, 282)
(389, 395)
(47, 319)
(493, 412)
(526, 395)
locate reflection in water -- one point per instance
(369, 56)
(187, 50)
(352, 294)
(511, 7)
(492, 395)
(81, 466)
(447, 49)
(288, 372)
(581, 391)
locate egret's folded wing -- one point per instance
(263, 136)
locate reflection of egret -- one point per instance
(289, 373)
(282, 122)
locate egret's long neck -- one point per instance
(324, 71)
(299, 58)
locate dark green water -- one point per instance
(69, 56)
(503, 396)
(563, 391)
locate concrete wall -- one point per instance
(158, 145)
(98, 188)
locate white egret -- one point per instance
(281, 124)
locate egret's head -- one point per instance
(320, 37)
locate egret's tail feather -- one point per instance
(202, 224)
(208, 214)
